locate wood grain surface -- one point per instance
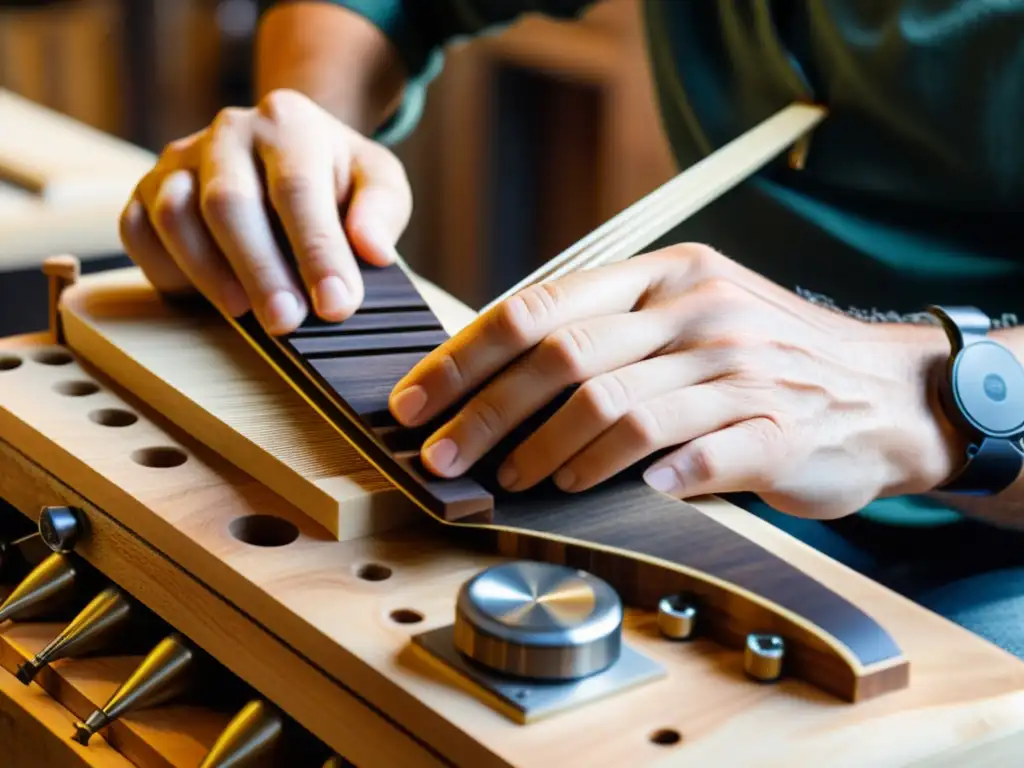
(321, 704)
(34, 728)
(298, 590)
(307, 591)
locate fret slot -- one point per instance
(369, 322)
(350, 345)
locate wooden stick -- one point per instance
(61, 271)
(652, 216)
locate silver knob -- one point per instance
(677, 617)
(60, 528)
(763, 656)
(538, 620)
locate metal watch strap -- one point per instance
(993, 462)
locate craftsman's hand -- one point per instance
(199, 218)
(754, 388)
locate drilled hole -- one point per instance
(9, 362)
(406, 616)
(159, 458)
(264, 530)
(76, 388)
(374, 572)
(52, 357)
(666, 737)
(113, 417)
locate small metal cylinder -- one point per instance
(763, 656)
(677, 616)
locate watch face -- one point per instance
(988, 384)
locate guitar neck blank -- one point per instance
(653, 216)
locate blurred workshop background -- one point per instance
(530, 138)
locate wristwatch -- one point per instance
(982, 393)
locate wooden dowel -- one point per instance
(61, 271)
(659, 212)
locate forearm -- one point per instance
(334, 56)
(354, 57)
(1006, 508)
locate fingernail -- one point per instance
(564, 479)
(283, 312)
(330, 296)
(507, 476)
(408, 403)
(441, 455)
(662, 479)
(235, 301)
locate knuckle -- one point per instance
(221, 197)
(642, 426)
(173, 201)
(737, 352)
(520, 317)
(514, 321)
(281, 103)
(265, 278)
(604, 397)
(453, 372)
(177, 147)
(288, 187)
(705, 259)
(389, 165)
(131, 223)
(488, 418)
(230, 119)
(697, 258)
(719, 289)
(703, 465)
(544, 299)
(318, 250)
(565, 352)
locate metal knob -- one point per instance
(677, 616)
(60, 528)
(540, 621)
(763, 656)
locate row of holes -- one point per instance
(256, 530)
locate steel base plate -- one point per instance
(526, 701)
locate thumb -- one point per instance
(380, 205)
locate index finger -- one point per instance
(301, 169)
(492, 341)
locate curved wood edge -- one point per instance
(728, 612)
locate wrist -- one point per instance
(926, 447)
(335, 57)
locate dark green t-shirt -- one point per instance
(913, 192)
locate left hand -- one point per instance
(816, 412)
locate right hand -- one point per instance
(198, 220)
